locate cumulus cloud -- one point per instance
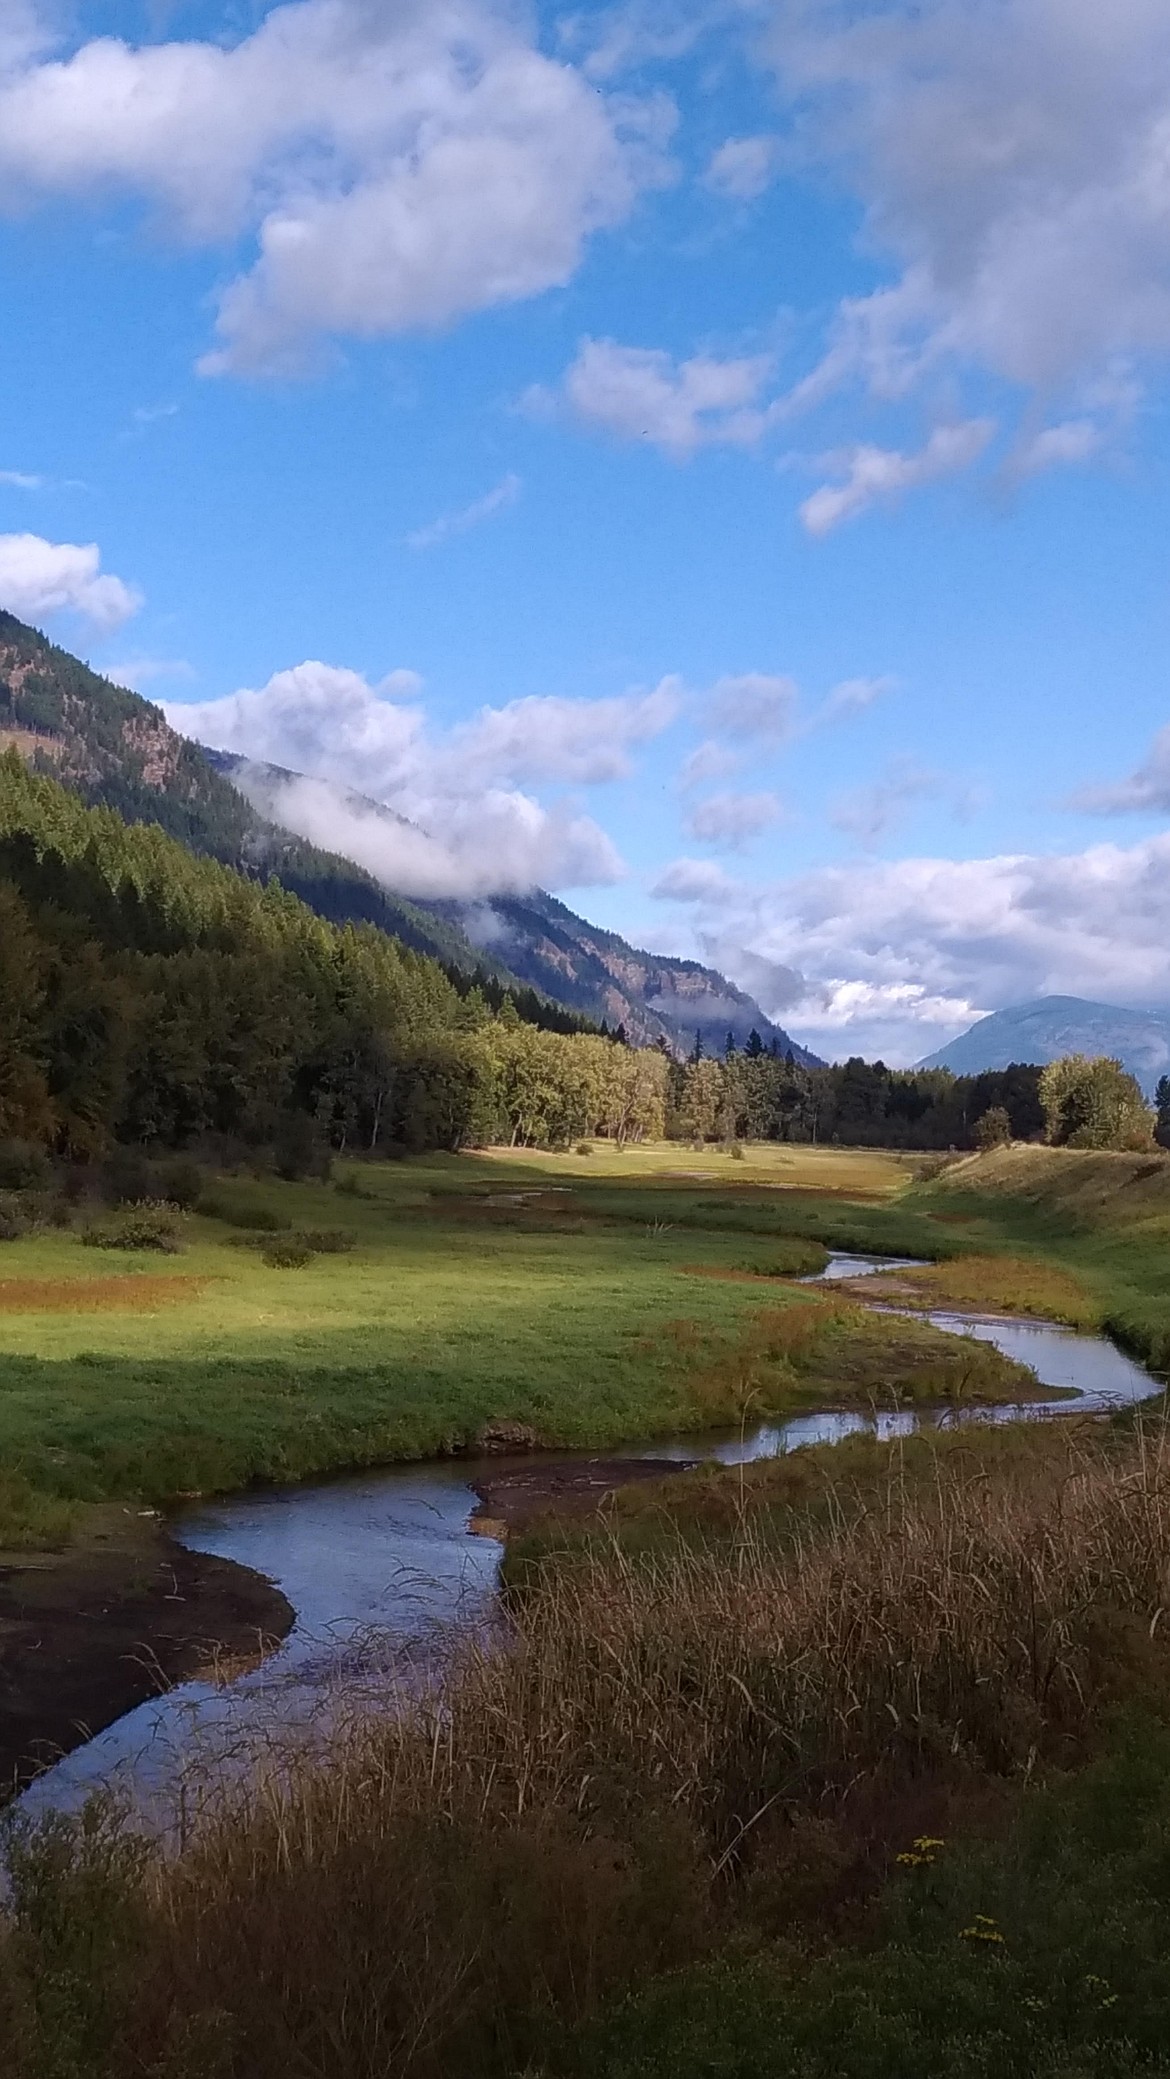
(505, 493)
(397, 167)
(460, 826)
(1011, 158)
(1146, 790)
(742, 168)
(39, 577)
(755, 704)
(901, 955)
(694, 880)
(732, 819)
(875, 475)
(643, 393)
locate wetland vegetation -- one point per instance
(785, 1766)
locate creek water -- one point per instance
(381, 1566)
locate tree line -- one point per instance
(758, 1093)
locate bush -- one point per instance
(23, 1167)
(287, 1255)
(259, 1219)
(181, 1182)
(298, 1150)
(325, 1241)
(736, 1151)
(128, 1178)
(583, 1148)
(151, 1225)
(14, 1219)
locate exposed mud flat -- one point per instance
(513, 1498)
(118, 1616)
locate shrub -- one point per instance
(128, 1178)
(259, 1219)
(181, 1182)
(287, 1255)
(23, 1167)
(298, 1150)
(736, 1151)
(150, 1225)
(993, 1129)
(14, 1219)
(583, 1148)
(325, 1241)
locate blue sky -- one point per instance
(708, 459)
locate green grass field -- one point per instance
(591, 1299)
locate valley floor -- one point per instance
(691, 1782)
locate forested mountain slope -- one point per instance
(594, 972)
(118, 751)
(151, 996)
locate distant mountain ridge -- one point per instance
(543, 942)
(117, 750)
(1050, 1026)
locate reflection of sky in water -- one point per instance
(378, 1566)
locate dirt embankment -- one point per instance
(121, 1614)
(517, 1495)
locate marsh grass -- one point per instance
(661, 1759)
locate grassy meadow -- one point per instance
(585, 1300)
(851, 1763)
(578, 1300)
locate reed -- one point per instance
(612, 1783)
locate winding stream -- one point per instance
(381, 1565)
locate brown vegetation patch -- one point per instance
(735, 1277)
(132, 1295)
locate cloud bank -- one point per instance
(476, 831)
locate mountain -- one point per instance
(1054, 1025)
(594, 972)
(117, 750)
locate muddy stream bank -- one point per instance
(363, 1577)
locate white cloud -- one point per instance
(1146, 790)
(1061, 446)
(642, 393)
(17, 480)
(742, 168)
(542, 737)
(899, 956)
(755, 704)
(505, 493)
(137, 672)
(708, 761)
(873, 475)
(398, 167)
(1011, 157)
(477, 833)
(39, 577)
(853, 697)
(694, 880)
(732, 819)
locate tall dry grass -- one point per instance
(652, 1749)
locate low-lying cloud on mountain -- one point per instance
(469, 826)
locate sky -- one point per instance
(708, 458)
